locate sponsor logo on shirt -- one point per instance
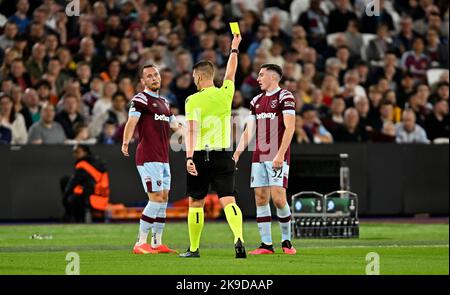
(270, 116)
(161, 118)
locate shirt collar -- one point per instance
(273, 92)
(151, 93)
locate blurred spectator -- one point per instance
(87, 54)
(354, 38)
(387, 134)
(300, 135)
(36, 65)
(46, 131)
(408, 131)
(415, 60)
(315, 21)
(104, 103)
(10, 55)
(375, 98)
(43, 88)
(350, 130)
(165, 91)
(419, 103)
(262, 39)
(441, 92)
(432, 20)
(69, 115)
(405, 89)
(182, 88)
(379, 46)
(81, 135)
(116, 114)
(386, 115)
(404, 39)
(437, 123)
(84, 76)
(336, 115)
(19, 74)
(317, 102)
(67, 65)
(51, 45)
(32, 109)
(107, 136)
(9, 33)
(94, 94)
(351, 87)
(113, 72)
(338, 18)
(313, 127)
(361, 104)
(437, 52)
(12, 120)
(55, 69)
(20, 16)
(184, 63)
(330, 88)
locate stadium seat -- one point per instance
(434, 75)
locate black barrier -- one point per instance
(389, 179)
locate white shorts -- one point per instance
(155, 176)
(263, 175)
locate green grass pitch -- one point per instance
(106, 249)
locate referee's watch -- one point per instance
(234, 51)
(189, 158)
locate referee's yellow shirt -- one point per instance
(211, 109)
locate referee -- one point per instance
(208, 158)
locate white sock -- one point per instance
(264, 220)
(284, 218)
(142, 238)
(158, 225)
(147, 219)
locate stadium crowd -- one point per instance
(355, 77)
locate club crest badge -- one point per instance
(273, 104)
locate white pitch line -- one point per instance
(374, 246)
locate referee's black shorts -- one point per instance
(216, 169)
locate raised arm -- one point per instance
(233, 59)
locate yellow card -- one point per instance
(235, 28)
